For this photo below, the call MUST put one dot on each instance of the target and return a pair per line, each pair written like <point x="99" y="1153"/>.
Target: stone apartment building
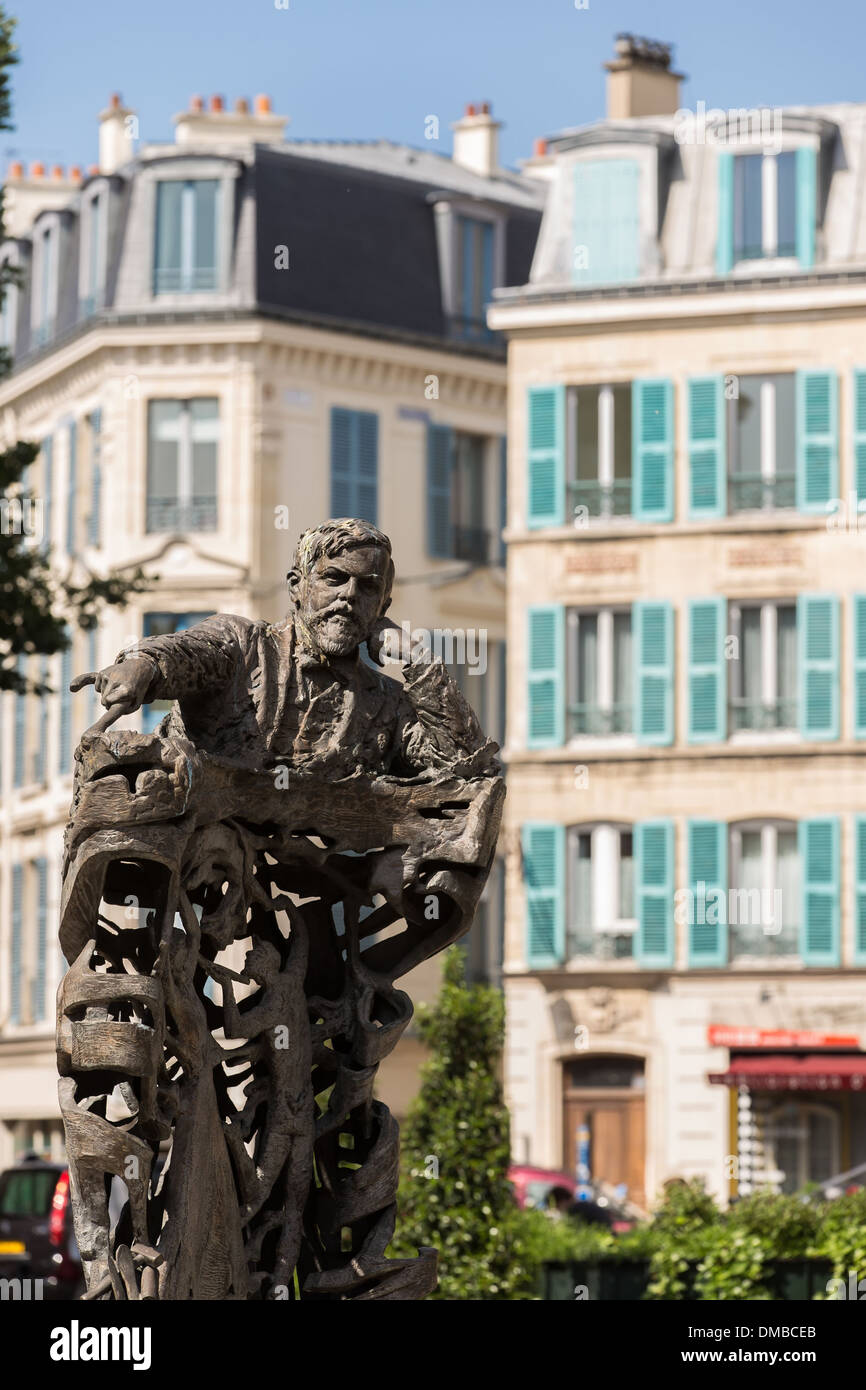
<point x="685" y="953"/>
<point x="219" y="341"/>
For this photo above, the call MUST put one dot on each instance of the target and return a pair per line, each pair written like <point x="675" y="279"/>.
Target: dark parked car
<point x="36" y="1236"/>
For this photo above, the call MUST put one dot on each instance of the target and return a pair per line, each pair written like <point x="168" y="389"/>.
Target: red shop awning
<point x="813" y="1072"/>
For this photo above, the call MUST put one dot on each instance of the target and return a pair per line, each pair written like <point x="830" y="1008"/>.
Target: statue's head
<point x="340" y="584"/>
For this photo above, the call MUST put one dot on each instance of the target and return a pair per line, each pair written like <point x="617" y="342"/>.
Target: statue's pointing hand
<point x="126" y="683"/>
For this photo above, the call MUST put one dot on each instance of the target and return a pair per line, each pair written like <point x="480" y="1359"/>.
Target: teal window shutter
<point x="72" y="491"/>
<point x="47" y="488"/>
<point x="818" y="651"/>
<point x="707" y="684"/>
<point x="818" y="846"/>
<point x="652" y="417"/>
<point x="92" y="665"/>
<point x="606" y="224"/>
<point x="354" y="463"/>
<point x="42" y="741"/>
<point x="807" y="205"/>
<point x="94" y="521"/>
<point x="725" y="228"/>
<point x="16" y="953"/>
<point x="653" y="645"/>
<point x="503" y="494"/>
<point x="543" y="847"/>
<point x="19" y="752"/>
<point x="860" y="890"/>
<point x="817" y="416"/>
<point x="707" y="447"/>
<point x="546" y="456"/>
<point x="546" y="686"/>
<point x="38" y="997"/>
<point x="859" y="384"/>
<point x="64" y="754"/>
<point x="708" y="884"/>
<point x="440" y="473"/>
<point x="859" y="648"/>
<point x="654" y="892"/>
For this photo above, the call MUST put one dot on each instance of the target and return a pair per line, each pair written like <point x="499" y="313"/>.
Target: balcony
<point x="592" y="720"/>
<point x="601" y="499"/>
<point x="760" y="716"/>
<point x="751" y="943"/>
<point x="175" y="280"/>
<point x="174" y="514"/>
<point x="582" y="943"/>
<point x="751" y="492"/>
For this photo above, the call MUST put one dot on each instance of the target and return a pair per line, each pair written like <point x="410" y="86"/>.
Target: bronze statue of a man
<point x="241" y="890"/>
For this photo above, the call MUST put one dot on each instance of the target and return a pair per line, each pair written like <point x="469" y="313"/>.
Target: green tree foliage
<point x="36" y="603"/>
<point x="454" y="1193"/>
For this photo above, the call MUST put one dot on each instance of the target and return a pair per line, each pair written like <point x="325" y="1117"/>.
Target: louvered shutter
<point x="818" y="844"/>
<point x="652" y="625"/>
<point x="653" y="449"/>
<point x="64" y="754"/>
<point x="654" y="893"/>
<point x="818" y="651"/>
<point x="708" y="885"/>
<point x="807" y="204"/>
<point x="545" y="668"/>
<point x="72" y="491"/>
<point x="707" y="685"/>
<point x="860" y="890"/>
<point x="707" y="447"/>
<point x="440" y="477"/>
<point x="16" y="952"/>
<point x="859" y="385"/>
<point x="543" y="846"/>
<point x="859" y="650"/>
<point x="546" y="456"/>
<point x="725" y="213"/>
<point x="38" y="997"/>
<point x="817" y="440"/>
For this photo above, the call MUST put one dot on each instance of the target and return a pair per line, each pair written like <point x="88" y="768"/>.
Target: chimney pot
<point x="470" y="109"/>
<point x="93" y="169"/>
<point x="540" y="147"/>
<point x="485" y="108"/>
<point x="114" y="101"/>
<point x="263" y="105"/>
<point x="16" y="170"/>
<point x="216" y="104"/>
<point x="75" y="173"/>
<point x="196" y="104"/>
<point x="37" y="169"/>
<point x="242" y="106"/>
<point x="57" y="171"/>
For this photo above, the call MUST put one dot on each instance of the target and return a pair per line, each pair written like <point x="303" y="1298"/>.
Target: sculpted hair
<point x="335" y="537"/>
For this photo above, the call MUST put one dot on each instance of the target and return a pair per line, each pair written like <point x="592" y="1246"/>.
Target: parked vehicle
<point x="37" y="1240"/>
<point x="545" y="1188"/>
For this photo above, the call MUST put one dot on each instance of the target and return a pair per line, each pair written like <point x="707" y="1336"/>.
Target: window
<point x="600" y="892"/>
<point x="29" y="945"/>
<point x="354" y="464"/>
<point x="186" y="255"/>
<point x="764" y="677"/>
<point x="763" y="446"/>
<point x="9" y="316"/>
<point x="802" y="1141"/>
<point x="163" y="625"/>
<point x="765" y="205"/>
<point x="606" y="223"/>
<point x="182" y="440"/>
<point x="458" y="491"/>
<point x="93" y="253"/>
<point x="599" y="450"/>
<point x="475" y="243"/>
<point x="764" y="902"/>
<point x="45" y="285"/>
<point x="600" y="699"/>
<point x="483" y="964"/>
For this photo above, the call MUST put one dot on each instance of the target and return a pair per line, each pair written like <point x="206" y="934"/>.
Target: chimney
<point x="116" y="124"/>
<point x="29" y="192"/>
<point x="218" y="128"/>
<point x="640" y="81"/>
<point x="476" y="140"/>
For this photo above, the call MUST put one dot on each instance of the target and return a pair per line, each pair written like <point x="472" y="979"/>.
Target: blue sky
<point x="360" y="69"/>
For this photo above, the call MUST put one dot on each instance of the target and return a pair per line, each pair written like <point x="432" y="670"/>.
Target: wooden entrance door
<point x="616" y="1121"/>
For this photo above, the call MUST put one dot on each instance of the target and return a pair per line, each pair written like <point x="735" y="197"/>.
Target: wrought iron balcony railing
<point x="590" y="719"/>
<point x="173" y="514"/>
<point x="601" y="499"/>
<point x="759" y="716"/>
<point x="751" y="492"/>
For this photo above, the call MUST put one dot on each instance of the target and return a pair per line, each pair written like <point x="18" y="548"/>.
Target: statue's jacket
<point x="256" y="694"/>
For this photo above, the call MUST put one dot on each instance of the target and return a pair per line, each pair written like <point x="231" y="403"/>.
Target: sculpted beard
<point x="337" y="630"/>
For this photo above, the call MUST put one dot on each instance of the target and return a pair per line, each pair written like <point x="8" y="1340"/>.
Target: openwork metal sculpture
<point x="241" y="889"/>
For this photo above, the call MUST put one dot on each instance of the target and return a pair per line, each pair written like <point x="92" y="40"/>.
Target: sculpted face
<point x="340" y="599"/>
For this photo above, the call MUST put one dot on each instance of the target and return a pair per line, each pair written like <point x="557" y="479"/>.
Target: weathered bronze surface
<point x="241" y="889"/>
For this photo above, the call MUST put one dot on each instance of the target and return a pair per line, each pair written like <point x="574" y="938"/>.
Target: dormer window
<point x="9" y="308"/>
<point x="606" y="224"/>
<point x="765" y="205"/>
<point x="45" y="273"/>
<point x="94" y="243"/>
<point x="186" y="257"/>
<point x="471" y="245"/>
<point x="474" y="274"/>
